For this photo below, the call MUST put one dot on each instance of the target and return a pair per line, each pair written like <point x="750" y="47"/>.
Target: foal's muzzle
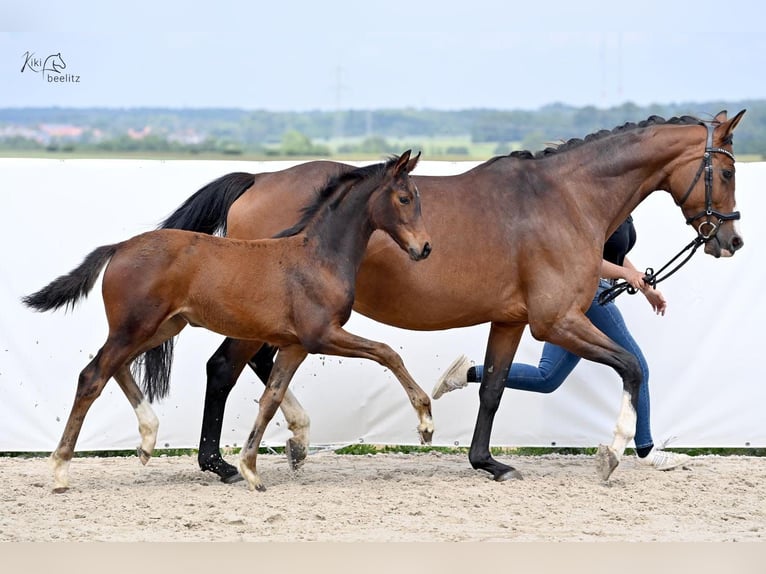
<point x="418" y="255"/>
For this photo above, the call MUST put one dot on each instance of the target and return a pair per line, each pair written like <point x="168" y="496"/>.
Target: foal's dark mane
<point x="601" y="134"/>
<point x="333" y="192"/>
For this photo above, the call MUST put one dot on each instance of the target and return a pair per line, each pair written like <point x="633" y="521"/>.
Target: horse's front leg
<point x="578" y="335"/>
<point x="287" y="362"/>
<point x="501" y="348"/>
<point x="337" y="341"/>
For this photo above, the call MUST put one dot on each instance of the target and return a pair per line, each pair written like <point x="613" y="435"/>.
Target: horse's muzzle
<point x="719" y="246"/>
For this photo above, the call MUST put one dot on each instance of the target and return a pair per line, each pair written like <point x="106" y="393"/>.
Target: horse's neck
<point x="620" y="174"/>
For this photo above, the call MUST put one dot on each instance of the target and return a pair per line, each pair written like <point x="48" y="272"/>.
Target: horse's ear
<point x="401" y="163"/>
<point x="720" y="117"/>
<point x="412" y="163"/>
<point x="732" y="123"/>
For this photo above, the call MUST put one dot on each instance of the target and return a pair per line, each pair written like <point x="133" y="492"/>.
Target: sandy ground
<point x="386" y="497"/>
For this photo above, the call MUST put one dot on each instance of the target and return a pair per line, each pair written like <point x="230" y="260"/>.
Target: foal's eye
<point x="727" y="173"/>
<point x="404" y="200"/>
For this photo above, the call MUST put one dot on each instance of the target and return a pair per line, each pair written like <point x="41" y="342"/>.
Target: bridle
<point x="706" y="230"/>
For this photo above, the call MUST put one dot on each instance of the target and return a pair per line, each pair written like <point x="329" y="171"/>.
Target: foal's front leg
<point x="337" y="341"/>
<point x="287" y="362"/>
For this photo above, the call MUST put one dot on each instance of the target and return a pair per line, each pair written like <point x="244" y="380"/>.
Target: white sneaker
<point x="455" y="377"/>
<point x="663" y="460"/>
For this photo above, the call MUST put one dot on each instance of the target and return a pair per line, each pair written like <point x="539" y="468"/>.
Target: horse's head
<point x="708" y="202"/>
<point x="396" y="209"/>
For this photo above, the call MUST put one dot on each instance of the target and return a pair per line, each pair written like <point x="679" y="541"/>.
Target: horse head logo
<point x="54" y="63"/>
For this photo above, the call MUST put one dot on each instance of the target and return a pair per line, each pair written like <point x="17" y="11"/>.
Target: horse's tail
<point x="68" y="289"/>
<point x="206" y="210"/>
<point x="152" y="369"/>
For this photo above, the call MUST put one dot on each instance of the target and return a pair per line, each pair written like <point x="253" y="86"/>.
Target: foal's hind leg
<point x="148" y="423"/>
<point x="288" y="361"/>
<point x="91" y="382"/>
<point x="337" y="341"/>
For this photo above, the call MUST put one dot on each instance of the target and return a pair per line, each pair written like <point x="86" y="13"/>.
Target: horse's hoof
<point x="60" y="489"/>
<point x="228" y="473"/>
<point x="606" y="461"/>
<point x="296" y="454"/>
<point x="143" y="455"/>
<point x="511" y="474"/>
<point x="260" y="488"/>
<point x="426" y="437"/>
<point x="232" y="478"/>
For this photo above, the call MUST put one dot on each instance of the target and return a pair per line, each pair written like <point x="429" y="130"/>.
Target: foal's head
<point x="395" y="207"/>
<point x="704" y="186"/>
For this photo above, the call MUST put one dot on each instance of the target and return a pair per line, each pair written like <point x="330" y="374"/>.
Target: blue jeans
<point x="556" y="364"/>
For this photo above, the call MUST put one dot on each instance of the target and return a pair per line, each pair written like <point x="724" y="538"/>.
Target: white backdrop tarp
<point x="706" y="384"/>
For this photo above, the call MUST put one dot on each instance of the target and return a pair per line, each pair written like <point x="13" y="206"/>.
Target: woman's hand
<point x="655" y="298"/>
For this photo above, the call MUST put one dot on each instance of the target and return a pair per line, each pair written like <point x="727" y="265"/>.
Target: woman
<point x="556" y="363"/>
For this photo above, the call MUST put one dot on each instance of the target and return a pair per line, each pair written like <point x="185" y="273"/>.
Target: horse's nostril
<point x="737" y="242"/>
<point x="426" y="250"/>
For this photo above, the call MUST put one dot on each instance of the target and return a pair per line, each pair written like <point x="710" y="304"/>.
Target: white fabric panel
<point x="705" y="390"/>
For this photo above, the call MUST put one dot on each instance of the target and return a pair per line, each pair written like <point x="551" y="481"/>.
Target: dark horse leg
<point x="501" y="348"/>
<point x="578" y="335"/>
<point x="223" y="370"/>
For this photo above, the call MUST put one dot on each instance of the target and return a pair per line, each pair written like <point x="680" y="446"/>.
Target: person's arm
<point x="634" y="277"/>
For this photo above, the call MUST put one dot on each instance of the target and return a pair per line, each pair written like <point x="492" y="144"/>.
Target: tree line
<point x="302" y="133"/>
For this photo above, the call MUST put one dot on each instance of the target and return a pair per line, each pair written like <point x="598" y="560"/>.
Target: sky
<point x="339" y="54"/>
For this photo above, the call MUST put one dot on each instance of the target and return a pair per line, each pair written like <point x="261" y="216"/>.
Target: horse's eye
<point x="727" y="173"/>
<point x="404" y="200"/>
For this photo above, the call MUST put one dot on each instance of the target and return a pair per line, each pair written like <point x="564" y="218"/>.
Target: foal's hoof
<point x="606" y="461"/>
<point x="511" y="474"/>
<point x="296" y="454"/>
<point x="143" y="455"/>
<point x="60" y="489"/>
<point x="426" y="437"/>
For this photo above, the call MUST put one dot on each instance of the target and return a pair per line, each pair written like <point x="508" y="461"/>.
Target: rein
<point x="710" y="228"/>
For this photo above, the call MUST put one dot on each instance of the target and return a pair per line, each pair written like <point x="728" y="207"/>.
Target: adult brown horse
<point x="527" y="230"/>
<point x="294" y="292"/>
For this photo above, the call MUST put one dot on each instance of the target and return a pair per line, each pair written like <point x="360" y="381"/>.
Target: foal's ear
<point x="412" y="163"/>
<point x="401" y="163"/>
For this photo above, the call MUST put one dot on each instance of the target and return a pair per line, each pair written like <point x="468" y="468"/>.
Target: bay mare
<point x="528" y="230"/>
<point x="294" y="292"/>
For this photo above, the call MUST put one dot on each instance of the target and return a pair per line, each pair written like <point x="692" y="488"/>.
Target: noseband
<point x="707" y="229"/>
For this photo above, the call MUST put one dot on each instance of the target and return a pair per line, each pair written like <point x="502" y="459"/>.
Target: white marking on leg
<point x="148" y="423"/>
<point x="297" y="419"/>
<point x="252" y="478"/>
<point x="625" y="429"/>
<point x="60" y="472"/>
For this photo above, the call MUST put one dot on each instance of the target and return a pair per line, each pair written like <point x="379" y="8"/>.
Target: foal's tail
<point x="153" y="367"/>
<point x="206" y="210"/>
<point x="68" y="289"/>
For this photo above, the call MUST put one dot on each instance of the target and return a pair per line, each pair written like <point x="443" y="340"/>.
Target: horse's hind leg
<point x="91" y="382"/>
<point x="288" y="360"/>
<point x="337" y="341"/>
<point x="223" y="370"/>
<point x="148" y="423"/>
